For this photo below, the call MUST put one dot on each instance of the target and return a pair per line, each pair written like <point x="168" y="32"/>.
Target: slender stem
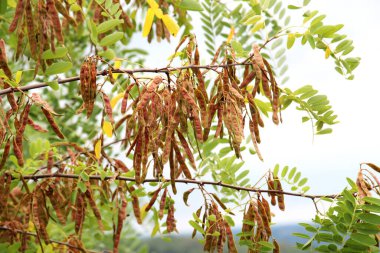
<point x="119" y="71"/>
<point x="184" y="181"/>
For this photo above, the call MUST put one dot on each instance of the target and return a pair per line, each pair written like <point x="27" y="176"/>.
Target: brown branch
<point x="119" y="71"/>
<point x="50" y="240"/>
<point x="184" y="181"/>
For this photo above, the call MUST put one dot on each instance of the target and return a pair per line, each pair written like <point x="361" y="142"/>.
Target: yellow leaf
<point x="116" y="65"/>
<point x="152" y="4"/>
<point x="98" y="149"/>
<point x="18" y="76"/>
<point x="171" y="24"/>
<point x="12" y="3"/>
<point x="148" y="22"/>
<point x="327" y="52"/>
<point x="107" y="128"/>
<point x="231" y="35"/>
<point x="158" y="12"/>
<point x="142" y="211"/>
<point x="116" y="99"/>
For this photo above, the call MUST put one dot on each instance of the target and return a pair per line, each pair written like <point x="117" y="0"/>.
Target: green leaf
<point x="82" y="186"/>
<point x="297" y="177"/>
<point x="290" y="41"/>
<point x="276" y="169"/>
<point x="372" y="200"/>
<point x="111" y="39"/>
<point x="190" y="5"/>
<point x="325" y="131"/>
<point x="58" y="67"/>
<point x="284" y="171"/>
<point x="266" y="244"/>
<point x="292" y="172"/>
<point x="370" y="218"/>
<point x="3" y="6"/>
<point x="302" y="182"/>
<point x="108" y="25"/>
<point x="305" y="236"/>
<point x="362" y="239"/>
<point x="293" y="7"/>
<point x="108" y="54"/>
<point x="54" y="85"/>
<point x="259" y="25"/>
<point x="197" y="227"/>
<point x="59" y="53"/>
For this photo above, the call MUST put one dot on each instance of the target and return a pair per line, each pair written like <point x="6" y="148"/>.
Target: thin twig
<point x="184" y="181"/>
<point x="119" y="71"/>
<point x="50" y="240"/>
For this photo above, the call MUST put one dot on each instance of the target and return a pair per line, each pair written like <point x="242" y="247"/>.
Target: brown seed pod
<point x="136" y="208"/>
<point x="30" y="28"/>
<point x="17" y="16"/>
<point x="52" y="123"/>
<point x="65" y="13"/>
<point x="3" y="60"/>
<point x="107" y="107"/>
<point x="36" y="127"/>
<point x="247" y="79"/>
<point x="170" y="220"/>
<point x="153" y="199"/>
<point x="80" y="208"/>
<point x="280" y="196"/>
<point x="230" y="238"/>
<point x="18" y="153"/>
<point x="162" y="204"/>
<point x="50" y="161"/>
<point x="187" y="149"/>
<point x="183" y="166"/>
<point x="6" y="150"/>
<point x="93" y="206"/>
<point x="122" y="214"/>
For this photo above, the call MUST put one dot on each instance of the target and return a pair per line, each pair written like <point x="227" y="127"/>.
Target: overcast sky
<point x="331" y="158"/>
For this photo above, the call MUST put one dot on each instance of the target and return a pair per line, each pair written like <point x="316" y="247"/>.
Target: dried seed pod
<point x="187" y="149"/>
<point x="280" y="196"/>
<point x="162" y="204"/>
<point x="30" y="28"/>
<point x="36" y="127"/>
<point x="6" y="150"/>
<point x="145" y="98"/>
<point x="50" y="161"/>
<point x="52" y="123"/>
<point x="136" y="208"/>
<point x="107" y="107"/>
<point x="153" y="199"/>
<point x="230" y="238"/>
<point x="3" y="61"/>
<point x="80" y="207"/>
<point x="93" y="206"/>
<point x="183" y="166"/>
<point x="55" y="22"/>
<point x="170" y="220"/>
<point x="17" y="16"/>
<point x="18" y="153"/>
<point x="65" y="13"/>
<point x="122" y="214"/>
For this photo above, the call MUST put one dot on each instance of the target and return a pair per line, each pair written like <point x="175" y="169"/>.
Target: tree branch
<point x="119" y="71"/>
<point x="184" y="181"/>
<point x="50" y="240"/>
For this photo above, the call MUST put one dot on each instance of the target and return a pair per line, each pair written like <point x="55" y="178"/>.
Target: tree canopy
<point x="90" y="139"/>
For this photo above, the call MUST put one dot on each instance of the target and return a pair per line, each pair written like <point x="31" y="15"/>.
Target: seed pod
<point x="36" y="127"/>
<point x="145" y="98"/>
<point x="18" y="153"/>
<point x="52" y="123"/>
<point x="125" y="98"/>
<point x="17" y="16"/>
<point x="162" y="204"/>
<point x="230" y="238"/>
<point x="50" y="161"/>
<point x="257" y="56"/>
<point x="107" y="107"/>
<point x="120" y="165"/>
<point x="122" y="214"/>
<point x="136" y="209"/>
<point x="3" y="61"/>
<point x="173" y="169"/>
<point x="55" y="22"/>
<point x="276" y="246"/>
<point x="64" y="12"/>
<point x="153" y="199"/>
<point x="137" y="158"/>
<point x="247" y="80"/>
<point x="181" y="161"/>
<point x="40" y="216"/>
<point x="187" y="149"/>
<point x="80" y="207"/>
<point x="93" y="206"/>
<point x="170" y="220"/>
<point x="280" y="196"/>
<point x="30" y="28"/>
<point x="6" y="150"/>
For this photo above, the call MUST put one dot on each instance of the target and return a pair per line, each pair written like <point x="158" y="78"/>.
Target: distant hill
<point x="184" y="243"/>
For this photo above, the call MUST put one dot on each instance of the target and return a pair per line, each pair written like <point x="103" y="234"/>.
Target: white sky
<point x="331" y="158"/>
